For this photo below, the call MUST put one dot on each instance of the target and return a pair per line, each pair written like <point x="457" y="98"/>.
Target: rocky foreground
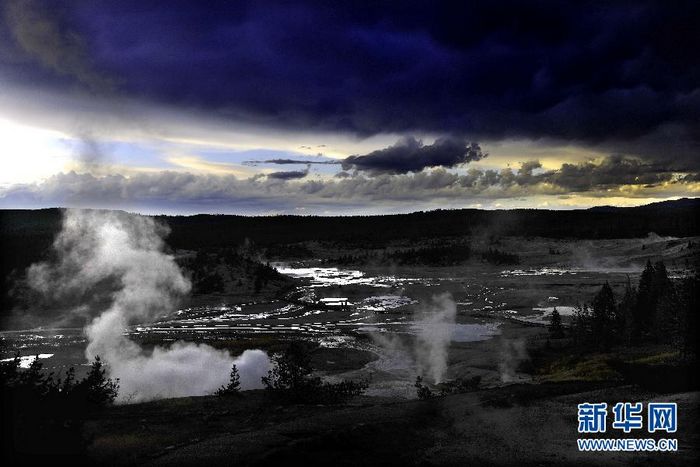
<point x="518" y="424"/>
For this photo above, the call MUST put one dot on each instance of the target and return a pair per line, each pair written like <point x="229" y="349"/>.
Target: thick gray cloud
<point x="289" y="175"/>
<point x="174" y="191"/>
<point x="613" y="171"/>
<point x="290" y="162"/>
<point x="411" y="155"/>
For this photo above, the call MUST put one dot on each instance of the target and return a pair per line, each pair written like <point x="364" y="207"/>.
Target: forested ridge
<point x="26" y="235"/>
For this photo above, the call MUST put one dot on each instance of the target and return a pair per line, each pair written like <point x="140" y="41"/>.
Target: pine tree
<point x="96" y="387"/>
<point x="604" y="316"/>
<point x="690" y="325"/>
<point x="234" y="383"/>
<point x="627" y="322"/>
<point x="581" y="324"/>
<point x="646" y="302"/>
<point x="665" y="308"/>
<point x="556" y="330"/>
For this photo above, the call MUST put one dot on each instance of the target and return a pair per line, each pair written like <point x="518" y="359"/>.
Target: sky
<point x="340" y="108"/>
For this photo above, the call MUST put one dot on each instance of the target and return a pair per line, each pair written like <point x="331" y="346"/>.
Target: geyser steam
<point x="434" y="335"/>
<point x="434" y="327"/>
<point x="123" y="253"/>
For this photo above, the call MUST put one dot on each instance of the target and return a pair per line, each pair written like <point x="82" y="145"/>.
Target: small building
<point x="340" y="302"/>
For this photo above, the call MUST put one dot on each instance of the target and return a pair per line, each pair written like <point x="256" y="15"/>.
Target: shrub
<point x="422" y="390"/>
<point x="290" y="378"/>
<point x="290" y="370"/>
<point x="460" y="385"/>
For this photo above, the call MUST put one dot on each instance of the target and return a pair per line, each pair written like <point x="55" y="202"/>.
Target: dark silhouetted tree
<point x="96" y="388"/>
<point x="664" y="315"/>
<point x="556" y="330"/>
<point x="43" y="416"/>
<point x="646" y="303"/>
<point x="581" y="324"/>
<point x="290" y="369"/>
<point x="603" y="317"/>
<point x="689" y="304"/>
<point x="628" y="325"/>
<point x="290" y="377"/>
<point x="234" y="384"/>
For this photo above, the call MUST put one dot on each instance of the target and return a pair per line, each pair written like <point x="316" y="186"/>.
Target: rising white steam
<point x="435" y="329"/>
<point x="124" y="254"/>
<point x="513" y="353"/>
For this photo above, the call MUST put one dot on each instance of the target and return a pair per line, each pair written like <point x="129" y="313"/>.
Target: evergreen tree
<point x="646" y="303"/>
<point x="661" y="283"/>
<point x="581" y="324"/>
<point x="668" y="317"/>
<point x="556" y="330"/>
<point x="627" y="322"/>
<point x="604" y="317"/>
<point x="664" y="312"/>
<point x="96" y="388"/>
<point x="234" y="383"/>
<point x="290" y="369"/>
<point x="689" y="304"/>
<point x="654" y="287"/>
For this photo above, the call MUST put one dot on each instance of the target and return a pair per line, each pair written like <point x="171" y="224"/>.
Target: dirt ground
<point x="521" y="424"/>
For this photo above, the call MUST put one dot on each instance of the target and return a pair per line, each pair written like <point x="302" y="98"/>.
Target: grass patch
<point x="129" y="441"/>
<point x="596" y="367"/>
<point x="663" y="358"/>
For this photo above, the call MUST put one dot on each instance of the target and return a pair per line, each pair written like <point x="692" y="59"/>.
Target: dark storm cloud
<point x="621" y="72"/>
<point x="693" y="177"/>
<point x="290" y="162"/>
<point x="612" y="172"/>
<point x="288" y="175"/>
<point x="411" y="155"/>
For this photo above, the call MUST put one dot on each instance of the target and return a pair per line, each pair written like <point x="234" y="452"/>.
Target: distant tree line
<point x="26" y="235"/>
<point x="350" y="259"/>
<point x="499" y="257"/>
<point x="677" y="218"/>
<point x="222" y="270"/>
<point x="657" y="310"/>
<point x="442" y="255"/>
<point x="288" y="250"/>
<point x="435" y="255"/>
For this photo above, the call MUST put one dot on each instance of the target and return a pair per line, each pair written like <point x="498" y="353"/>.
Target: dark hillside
<point x="25" y="235"/>
<point x="675" y="218"/>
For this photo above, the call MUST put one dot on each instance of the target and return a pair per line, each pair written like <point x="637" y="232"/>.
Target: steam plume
<point x="434" y="335"/>
<point x="123" y="253"/>
<point x="434" y="328"/>
<point x="513" y="353"/>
